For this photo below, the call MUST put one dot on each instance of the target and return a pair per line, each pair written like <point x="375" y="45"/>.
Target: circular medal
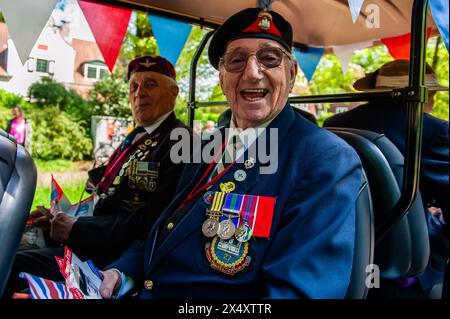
<point x="151" y="186"/>
<point x="243" y="233"/>
<point x="240" y="175"/>
<point x="148" y="142"/>
<point x="210" y="227"/>
<point x="226" y="229"/>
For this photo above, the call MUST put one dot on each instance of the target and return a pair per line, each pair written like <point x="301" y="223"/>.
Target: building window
<point x="95" y="70"/>
<point x="42" y="65"/>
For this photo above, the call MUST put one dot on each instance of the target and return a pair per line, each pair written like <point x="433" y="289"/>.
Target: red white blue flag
<point x="58" y="201"/>
<point x="41" y="288"/>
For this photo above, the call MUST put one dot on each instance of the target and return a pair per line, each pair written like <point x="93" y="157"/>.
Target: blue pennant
<point x="308" y="59"/>
<point x="171" y="36"/>
<point x="439" y="11"/>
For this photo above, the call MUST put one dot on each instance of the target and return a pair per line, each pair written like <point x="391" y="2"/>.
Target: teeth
<point x="261" y="91"/>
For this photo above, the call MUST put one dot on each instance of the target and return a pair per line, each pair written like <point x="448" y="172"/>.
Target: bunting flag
<point x="108" y="25"/>
<point x="344" y="52"/>
<point x="26" y="19"/>
<point x="308" y="59"/>
<point x="355" y="8"/>
<point x="170" y="35"/>
<point x="440" y="11"/>
<point x="41" y="288"/>
<point x="399" y="47"/>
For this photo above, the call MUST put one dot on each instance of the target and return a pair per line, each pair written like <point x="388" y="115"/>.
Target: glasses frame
<point x="261" y="65"/>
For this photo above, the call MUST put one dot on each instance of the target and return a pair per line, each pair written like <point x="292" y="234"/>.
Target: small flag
<point x="46" y="289"/>
<point x="58" y="200"/>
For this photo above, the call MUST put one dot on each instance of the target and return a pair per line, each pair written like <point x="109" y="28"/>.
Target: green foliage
<point x="139" y="39"/>
<point x="110" y="96"/>
<point x="47" y="93"/>
<point x="441" y="61"/>
<point x="56" y="135"/>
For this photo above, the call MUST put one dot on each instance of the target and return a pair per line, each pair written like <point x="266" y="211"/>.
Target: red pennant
<point x="400" y="46"/>
<point x="108" y="25"/>
<point x="264" y="215"/>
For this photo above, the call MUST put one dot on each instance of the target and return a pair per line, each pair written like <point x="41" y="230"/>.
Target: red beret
<point x="250" y="23"/>
<point x="152" y="63"/>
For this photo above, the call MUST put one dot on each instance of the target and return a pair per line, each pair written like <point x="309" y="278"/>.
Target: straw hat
<point x="395" y="75"/>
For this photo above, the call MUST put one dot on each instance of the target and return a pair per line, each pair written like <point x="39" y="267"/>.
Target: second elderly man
<point x="136" y="186"/>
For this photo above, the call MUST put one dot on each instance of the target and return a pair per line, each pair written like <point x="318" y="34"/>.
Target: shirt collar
<point x="155" y="125"/>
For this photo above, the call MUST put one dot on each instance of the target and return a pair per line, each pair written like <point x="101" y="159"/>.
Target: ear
<point x="175" y="90"/>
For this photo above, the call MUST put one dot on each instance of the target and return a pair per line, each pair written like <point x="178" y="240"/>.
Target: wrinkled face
<point x="257" y="93"/>
<point x="151" y="95"/>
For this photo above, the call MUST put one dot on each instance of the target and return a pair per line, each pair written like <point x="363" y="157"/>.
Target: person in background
<point x="390" y="120"/>
<point x="20" y="128"/>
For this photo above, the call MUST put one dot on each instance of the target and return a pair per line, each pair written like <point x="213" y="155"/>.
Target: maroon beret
<point x="152" y="63"/>
<point x="250" y="23"/>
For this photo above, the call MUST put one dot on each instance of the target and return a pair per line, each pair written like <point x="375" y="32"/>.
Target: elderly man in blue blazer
<point x="246" y="225"/>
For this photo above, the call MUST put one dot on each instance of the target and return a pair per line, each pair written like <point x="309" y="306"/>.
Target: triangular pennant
<point x="399" y="47"/>
<point x="26" y="19"/>
<point x="440" y="11"/>
<point x="344" y="52"/>
<point x="108" y="25"/>
<point x="171" y="36"/>
<point x="355" y="8"/>
<point x="308" y="59"/>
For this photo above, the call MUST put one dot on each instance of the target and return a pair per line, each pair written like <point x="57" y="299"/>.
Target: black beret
<point x="152" y="63"/>
<point x="250" y="23"/>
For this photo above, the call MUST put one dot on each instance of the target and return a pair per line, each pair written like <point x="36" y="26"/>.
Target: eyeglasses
<point x="269" y="57"/>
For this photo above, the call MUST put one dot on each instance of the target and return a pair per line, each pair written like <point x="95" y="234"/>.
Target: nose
<point x="252" y="71"/>
<point x="139" y="91"/>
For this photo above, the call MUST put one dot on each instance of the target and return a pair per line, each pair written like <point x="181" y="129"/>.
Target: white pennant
<point x="355" y="8"/>
<point x="344" y="52"/>
<point x="25" y="20"/>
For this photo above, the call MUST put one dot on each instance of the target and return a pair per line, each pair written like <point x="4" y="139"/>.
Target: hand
<point x="61" y="227"/>
<point x="39" y="219"/>
<point x="110" y="284"/>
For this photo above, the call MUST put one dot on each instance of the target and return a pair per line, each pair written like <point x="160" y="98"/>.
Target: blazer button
<point x="170" y="226"/>
<point x="148" y="284"/>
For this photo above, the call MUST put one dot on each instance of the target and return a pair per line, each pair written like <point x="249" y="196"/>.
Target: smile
<point x="254" y="94"/>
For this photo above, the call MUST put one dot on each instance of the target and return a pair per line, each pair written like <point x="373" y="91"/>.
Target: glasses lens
<point x="270" y="57"/>
<point x="235" y="61"/>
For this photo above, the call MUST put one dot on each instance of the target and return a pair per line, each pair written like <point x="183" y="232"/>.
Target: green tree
<point x="110" y="96"/>
<point x="139" y="38"/>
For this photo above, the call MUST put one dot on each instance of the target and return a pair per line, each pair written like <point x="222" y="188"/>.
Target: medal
<point x="148" y="142"/>
<point x="226" y="229"/>
<point x="240" y="175"/>
<point x="243" y="233"/>
<point x="210" y="227"/>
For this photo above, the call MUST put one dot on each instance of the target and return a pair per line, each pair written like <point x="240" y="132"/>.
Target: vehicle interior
<point x="391" y="227"/>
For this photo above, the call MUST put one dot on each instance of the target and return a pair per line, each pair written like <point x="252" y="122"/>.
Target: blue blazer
<point x="309" y="252"/>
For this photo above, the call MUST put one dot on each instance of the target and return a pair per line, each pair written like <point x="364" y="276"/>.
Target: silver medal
<point x="226" y="229"/>
<point x="210" y="227"/>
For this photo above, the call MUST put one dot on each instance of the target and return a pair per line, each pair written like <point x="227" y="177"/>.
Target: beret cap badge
<point x="147" y="63"/>
<point x="264" y="20"/>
